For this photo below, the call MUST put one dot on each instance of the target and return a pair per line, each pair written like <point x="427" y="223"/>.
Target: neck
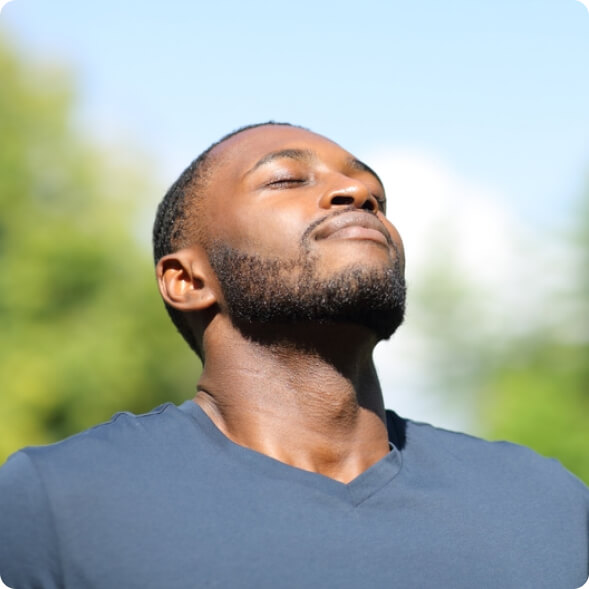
<point x="309" y="397"/>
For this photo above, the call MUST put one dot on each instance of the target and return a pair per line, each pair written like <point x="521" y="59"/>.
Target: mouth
<point x="354" y="226"/>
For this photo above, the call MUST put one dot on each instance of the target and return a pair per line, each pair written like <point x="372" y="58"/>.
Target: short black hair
<point x="171" y="229"/>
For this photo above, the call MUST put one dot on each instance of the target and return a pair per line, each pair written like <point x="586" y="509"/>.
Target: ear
<point x="186" y="280"/>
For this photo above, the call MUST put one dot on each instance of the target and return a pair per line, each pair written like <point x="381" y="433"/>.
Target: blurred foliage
<point x="83" y="332"/>
<point x="539" y="396"/>
<point x="526" y="385"/>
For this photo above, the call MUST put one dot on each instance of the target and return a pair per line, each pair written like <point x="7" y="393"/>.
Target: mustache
<point x="311" y="228"/>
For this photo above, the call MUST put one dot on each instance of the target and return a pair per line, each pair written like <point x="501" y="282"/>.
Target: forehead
<point x="238" y="154"/>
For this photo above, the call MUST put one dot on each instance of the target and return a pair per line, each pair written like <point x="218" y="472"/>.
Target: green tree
<point x="539" y="396"/>
<point x="529" y="383"/>
<point x="83" y="333"/>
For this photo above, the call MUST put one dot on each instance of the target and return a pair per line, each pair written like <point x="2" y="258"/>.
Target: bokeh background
<point x="476" y="115"/>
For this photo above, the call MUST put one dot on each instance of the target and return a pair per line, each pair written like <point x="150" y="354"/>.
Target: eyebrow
<point x="306" y="155"/>
<point x="300" y="155"/>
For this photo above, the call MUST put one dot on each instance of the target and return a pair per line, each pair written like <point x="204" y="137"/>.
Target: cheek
<point x="270" y="232"/>
<point x="396" y="239"/>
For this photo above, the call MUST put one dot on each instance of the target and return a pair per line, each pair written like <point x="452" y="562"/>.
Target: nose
<point x="348" y="192"/>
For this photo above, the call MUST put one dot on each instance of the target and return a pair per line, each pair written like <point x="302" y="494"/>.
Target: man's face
<point x="297" y="232"/>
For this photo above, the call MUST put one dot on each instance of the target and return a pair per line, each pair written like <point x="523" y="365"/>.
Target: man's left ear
<point x="186" y="280"/>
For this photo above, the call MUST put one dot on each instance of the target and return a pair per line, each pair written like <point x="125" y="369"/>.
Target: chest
<point x="250" y="536"/>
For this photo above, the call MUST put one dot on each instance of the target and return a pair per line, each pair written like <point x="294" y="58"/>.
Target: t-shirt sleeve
<point x="28" y="542"/>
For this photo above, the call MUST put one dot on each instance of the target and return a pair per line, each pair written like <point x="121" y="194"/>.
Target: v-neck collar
<point x="355" y="492"/>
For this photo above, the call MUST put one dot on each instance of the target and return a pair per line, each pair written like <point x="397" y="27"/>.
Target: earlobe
<point x="185" y="280"/>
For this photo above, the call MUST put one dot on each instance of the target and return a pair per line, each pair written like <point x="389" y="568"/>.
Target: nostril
<point x="342" y="200"/>
<point x="369" y="205"/>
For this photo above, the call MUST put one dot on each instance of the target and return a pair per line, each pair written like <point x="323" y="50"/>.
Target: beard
<point x="260" y="290"/>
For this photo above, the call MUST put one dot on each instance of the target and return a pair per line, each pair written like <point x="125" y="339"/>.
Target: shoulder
<point x="28" y="546"/>
<point x="121" y="436"/>
<point x="45" y="490"/>
<point x="110" y="450"/>
<point x="528" y="511"/>
<point x="495" y="464"/>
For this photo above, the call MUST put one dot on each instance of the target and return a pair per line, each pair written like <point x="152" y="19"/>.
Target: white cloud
<point x="433" y="206"/>
<point x="3" y="3"/>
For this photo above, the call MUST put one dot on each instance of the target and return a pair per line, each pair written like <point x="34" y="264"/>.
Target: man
<point x="277" y="264"/>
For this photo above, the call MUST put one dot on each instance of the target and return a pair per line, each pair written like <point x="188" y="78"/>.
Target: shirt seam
<point x="379" y="489"/>
<point x="52" y="518"/>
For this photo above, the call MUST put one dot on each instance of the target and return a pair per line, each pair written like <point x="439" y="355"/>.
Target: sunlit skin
<point x="316" y="406"/>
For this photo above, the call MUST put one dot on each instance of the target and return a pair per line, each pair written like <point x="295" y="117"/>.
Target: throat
<point x="309" y="399"/>
<point x="319" y="428"/>
<point x="341" y="449"/>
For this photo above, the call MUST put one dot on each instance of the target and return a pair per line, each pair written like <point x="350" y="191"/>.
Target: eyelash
<point x="288" y="180"/>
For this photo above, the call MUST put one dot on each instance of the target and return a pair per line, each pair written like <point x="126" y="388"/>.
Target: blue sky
<point x="496" y="89"/>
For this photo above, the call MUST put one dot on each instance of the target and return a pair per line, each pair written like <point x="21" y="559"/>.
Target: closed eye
<point x="285" y="182"/>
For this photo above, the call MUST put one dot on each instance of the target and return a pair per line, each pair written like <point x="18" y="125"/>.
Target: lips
<point x="357" y="225"/>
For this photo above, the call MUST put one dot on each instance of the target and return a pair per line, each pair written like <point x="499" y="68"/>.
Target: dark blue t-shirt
<point x="165" y="500"/>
